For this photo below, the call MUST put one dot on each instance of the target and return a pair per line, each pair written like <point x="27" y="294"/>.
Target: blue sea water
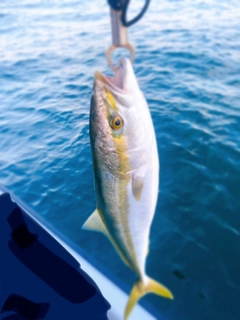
<point x="188" y="66"/>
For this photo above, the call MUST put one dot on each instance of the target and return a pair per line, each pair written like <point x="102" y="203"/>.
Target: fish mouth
<point x="115" y="83"/>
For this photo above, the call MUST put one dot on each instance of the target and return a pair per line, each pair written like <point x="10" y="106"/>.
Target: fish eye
<point x="116" y="123"/>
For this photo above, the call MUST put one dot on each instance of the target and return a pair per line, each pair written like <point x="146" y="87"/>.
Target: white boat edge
<point x="114" y="295"/>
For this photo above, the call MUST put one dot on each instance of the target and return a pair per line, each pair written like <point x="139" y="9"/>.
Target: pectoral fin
<point x="137" y="186"/>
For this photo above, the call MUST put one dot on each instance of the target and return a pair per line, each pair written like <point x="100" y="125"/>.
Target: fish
<point x="126" y="173"/>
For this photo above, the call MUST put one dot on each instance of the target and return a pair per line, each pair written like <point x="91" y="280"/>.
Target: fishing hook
<point x="119" y="24"/>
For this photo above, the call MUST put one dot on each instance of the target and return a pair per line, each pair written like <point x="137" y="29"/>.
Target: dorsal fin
<point x="95" y="223"/>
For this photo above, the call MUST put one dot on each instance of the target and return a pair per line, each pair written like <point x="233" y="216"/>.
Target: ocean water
<point x="188" y="66"/>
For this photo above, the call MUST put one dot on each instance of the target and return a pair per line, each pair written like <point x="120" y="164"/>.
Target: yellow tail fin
<point x="140" y="289"/>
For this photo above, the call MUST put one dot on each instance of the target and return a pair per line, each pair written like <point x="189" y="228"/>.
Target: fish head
<point x="119" y="118"/>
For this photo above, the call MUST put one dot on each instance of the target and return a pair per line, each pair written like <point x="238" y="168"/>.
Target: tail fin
<point x="140" y="289"/>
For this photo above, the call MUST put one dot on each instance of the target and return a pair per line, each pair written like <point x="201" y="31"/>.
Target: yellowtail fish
<point x="126" y="170"/>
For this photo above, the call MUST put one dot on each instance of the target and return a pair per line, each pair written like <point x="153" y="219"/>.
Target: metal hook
<point x="119" y="37"/>
<point x="113" y="47"/>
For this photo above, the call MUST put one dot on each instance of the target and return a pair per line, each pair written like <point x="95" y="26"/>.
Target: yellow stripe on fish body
<point x="124" y="179"/>
<point x="111" y="100"/>
<point x="119" y="140"/>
